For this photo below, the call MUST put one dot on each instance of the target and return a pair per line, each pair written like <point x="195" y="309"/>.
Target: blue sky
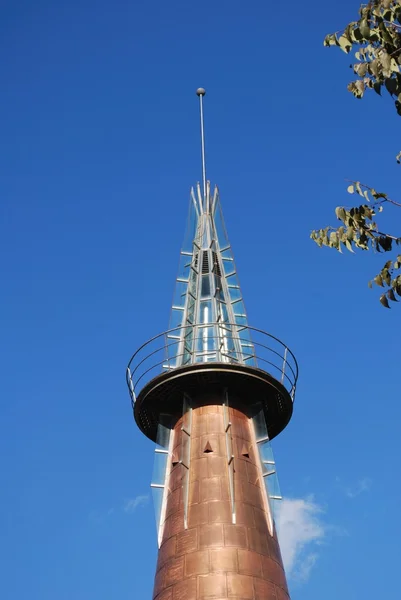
<point x="99" y="147"/>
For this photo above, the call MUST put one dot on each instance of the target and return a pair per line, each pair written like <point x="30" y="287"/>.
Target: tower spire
<point x="200" y="92"/>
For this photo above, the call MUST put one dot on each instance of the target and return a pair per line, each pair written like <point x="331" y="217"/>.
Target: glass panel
<point x="159" y="468"/>
<point x="180" y="294"/>
<point x="273" y="486"/>
<point x="218" y="287"/>
<point x="205" y="292"/>
<point x="239" y="308"/>
<point x="275" y="507"/>
<point x="157" y="494"/>
<point x="226" y="253"/>
<point x="205" y="315"/>
<point x="266" y="452"/>
<point x="184" y="265"/>
<point x="176" y="320"/>
<point x="190" y="308"/>
<point x="163" y="436"/>
<point x="223" y="312"/>
<point x="228" y="267"/>
<point x="219" y="225"/>
<point x="191" y="228"/>
<point x="259" y="423"/>
<point x="206" y="339"/>
<point x="235" y="293"/>
<point x="233" y="280"/>
<point x="192" y="282"/>
<point x="240" y="320"/>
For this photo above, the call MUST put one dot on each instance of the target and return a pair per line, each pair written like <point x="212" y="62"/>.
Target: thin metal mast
<point x="201" y="92"/>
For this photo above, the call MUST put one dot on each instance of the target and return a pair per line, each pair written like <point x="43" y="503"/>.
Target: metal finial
<point x="201" y="92"/>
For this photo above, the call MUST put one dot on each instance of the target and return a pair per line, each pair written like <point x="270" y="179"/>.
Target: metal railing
<point x="249" y="346"/>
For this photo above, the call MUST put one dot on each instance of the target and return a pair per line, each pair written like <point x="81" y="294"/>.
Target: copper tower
<point x="212" y="392"/>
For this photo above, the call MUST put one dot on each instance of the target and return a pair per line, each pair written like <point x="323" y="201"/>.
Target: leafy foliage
<point x="377" y="37"/>
<point x="377" y="34"/>
<point x="359" y="230"/>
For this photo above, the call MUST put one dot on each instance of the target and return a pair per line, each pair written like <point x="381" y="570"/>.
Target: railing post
<point x="284" y="363"/>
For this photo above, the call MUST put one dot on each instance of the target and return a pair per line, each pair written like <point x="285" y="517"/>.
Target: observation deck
<point x="252" y="367"/>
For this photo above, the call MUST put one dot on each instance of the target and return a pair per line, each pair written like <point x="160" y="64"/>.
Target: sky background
<point x="99" y="146"/>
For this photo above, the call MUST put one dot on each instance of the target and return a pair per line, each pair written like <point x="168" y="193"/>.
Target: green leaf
<point x="386" y="243"/>
<point x="364" y="29"/>
<point x="351" y="189"/>
<point x="391" y="296"/>
<point x="378" y="280"/>
<point x="384" y="301"/>
<point x="340" y="213"/>
<point x="344" y="44"/>
<point x="349" y="246"/>
<point x="370" y="284"/>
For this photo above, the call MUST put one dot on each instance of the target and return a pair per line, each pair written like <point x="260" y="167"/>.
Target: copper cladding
<point x="214" y="558"/>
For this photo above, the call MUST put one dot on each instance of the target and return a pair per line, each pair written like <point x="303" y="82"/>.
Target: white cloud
<point x="363" y="485"/>
<point x="131" y="505"/>
<point x="300" y="530"/>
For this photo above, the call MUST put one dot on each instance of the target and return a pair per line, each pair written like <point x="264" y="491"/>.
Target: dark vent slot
<point x="196" y="260"/>
<point x="205" y="262"/>
<point x="216" y="265"/>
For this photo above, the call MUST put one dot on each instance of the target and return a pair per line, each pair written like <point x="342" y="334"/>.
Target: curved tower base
<point x="217" y="534"/>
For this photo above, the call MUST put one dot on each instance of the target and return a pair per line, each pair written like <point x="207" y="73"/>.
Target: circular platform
<point x="158" y="397"/>
<point x="161" y="400"/>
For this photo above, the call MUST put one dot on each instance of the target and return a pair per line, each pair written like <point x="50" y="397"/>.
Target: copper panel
<point x="166" y="529"/>
<point x="166" y="595"/>
<point x="217" y="466"/>
<point x="209" y="409"/>
<point x="239" y="494"/>
<point x="214" y="558"/>
<point x="197" y="563"/>
<point x="261" y="523"/>
<point x="210" y="489"/>
<point x="240" y="586"/>
<point x="220" y="512"/>
<point x="281" y="594"/>
<point x="175" y="480"/>
<point x="173" y="501"/>
<point x="176" y="522"/>
<point x="240" y="468"/>
<point x="225" y="492"/>
<point x="244" y="513"/>
<point x="198" y="468"/>
<point x="264" y="590"/>
<point x="160" y="579"/>
<point x="187" y="541"/>
<point x="251" y="494"/>
<point x="273" y="572"/>
<point x="253" y="474"/>
<point x="235" y="535"/>
<point x="211" y="535"/>
<point x="185" y="590"/>
<point x="215" y="423"/>
<point x="194" y="492"/>
<point x="275" y="549"/>
<point x="198" y="514"/>
<point x="167" y="551"/>
<point x="249" y="563"/>
<point x="224" y="559"/>
<point x="258" y="541"/>
<point x="217" y="441"/>
<point x="174" y="571"/>
<point x="212" y="586"/>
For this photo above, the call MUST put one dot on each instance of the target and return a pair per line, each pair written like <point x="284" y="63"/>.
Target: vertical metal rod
<point x="284" y="365"/>
<point x="201" y="92"/>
